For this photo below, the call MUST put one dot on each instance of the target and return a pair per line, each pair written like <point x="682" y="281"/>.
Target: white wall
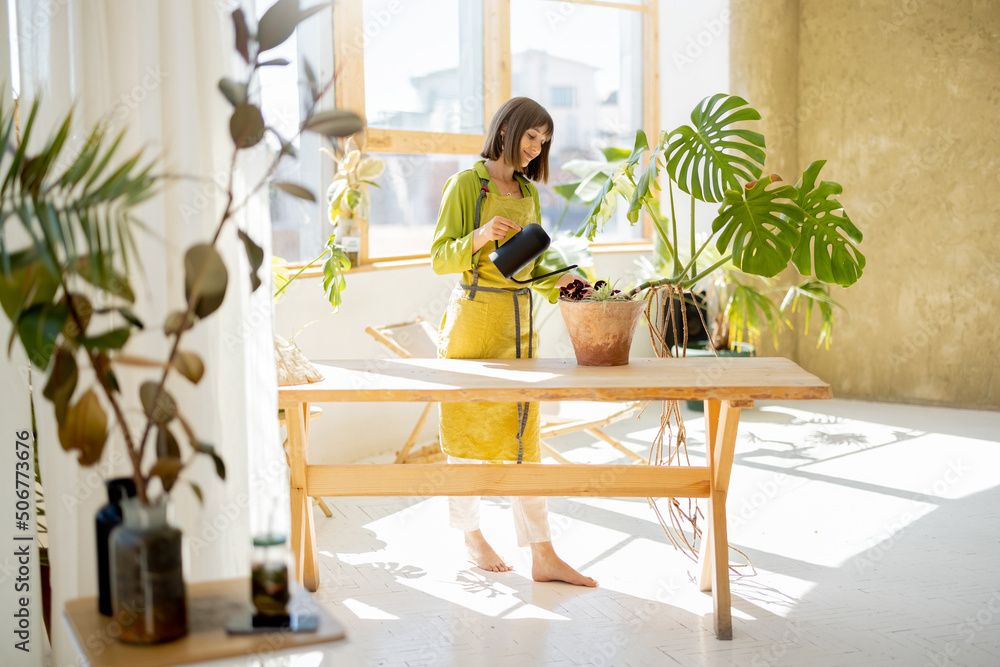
<point x="694" y="64"/>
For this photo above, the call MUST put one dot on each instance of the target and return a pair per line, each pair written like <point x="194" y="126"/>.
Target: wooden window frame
<point x="348" y="54"/>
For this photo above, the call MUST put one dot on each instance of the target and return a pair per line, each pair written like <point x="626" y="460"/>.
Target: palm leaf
<point x="760" y="227"/>
<point x="810" y="293"/>
<point x="828" y="236"/>
<point x="710" y="157"/>
<point x="749" y="311"/>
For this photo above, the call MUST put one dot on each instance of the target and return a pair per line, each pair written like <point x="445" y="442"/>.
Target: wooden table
<point x="725" y="384"/>
<point x="210" y="604"/>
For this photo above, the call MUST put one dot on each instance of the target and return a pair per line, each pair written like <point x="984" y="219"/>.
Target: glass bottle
<point x="108" y="517"/>
<point x="147" y="575"/>
<point x="271" y="570"/>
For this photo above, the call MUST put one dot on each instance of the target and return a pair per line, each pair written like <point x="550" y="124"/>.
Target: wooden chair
<point x="418" y="339"/>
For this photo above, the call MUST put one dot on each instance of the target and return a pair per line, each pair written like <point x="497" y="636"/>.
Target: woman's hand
<point x="494" y="230"/>
<point x="566" y="278"/>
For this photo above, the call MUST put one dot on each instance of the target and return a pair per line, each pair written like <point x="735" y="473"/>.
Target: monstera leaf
<point x="761" y="226"/>
<point x="711" y="157"/>
<point x="827" y="243"/>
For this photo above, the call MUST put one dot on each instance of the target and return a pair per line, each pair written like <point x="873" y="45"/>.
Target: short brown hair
<point x="518" y="115"/>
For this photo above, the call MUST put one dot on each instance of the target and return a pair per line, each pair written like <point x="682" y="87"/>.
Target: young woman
<point x="489" y="317"/>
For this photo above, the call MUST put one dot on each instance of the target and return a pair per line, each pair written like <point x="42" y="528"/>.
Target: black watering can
<point x="521" y="250"/>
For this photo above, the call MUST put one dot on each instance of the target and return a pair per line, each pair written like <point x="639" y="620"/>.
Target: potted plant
<point x="762" y="225"/>
<point x="600" y="320"/>
<point x="66" y="252"/>
<point x="348" y="195"/>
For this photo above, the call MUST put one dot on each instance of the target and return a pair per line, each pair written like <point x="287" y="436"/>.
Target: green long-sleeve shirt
<point x="451" y="249"/>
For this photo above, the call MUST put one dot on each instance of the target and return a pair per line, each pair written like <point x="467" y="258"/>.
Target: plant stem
<point x="673" y="221"/>
<point x="693" y="254"/>
<point x="189" y="312"/>
<point x="140" y="482"/>
<point x="659" y="227"/>
<point x="298" y="273"/>
<point x="693" y="281"/>
<point x="694" y="257"/>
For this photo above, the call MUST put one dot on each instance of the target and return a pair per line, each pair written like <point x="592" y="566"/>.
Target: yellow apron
<point x="480" y="323"/>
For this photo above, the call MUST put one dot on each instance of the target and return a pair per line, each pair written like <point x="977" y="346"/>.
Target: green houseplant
<point x="762" y="226"/>
<point x="348" y="194"/>
<point x="66" y="253"/>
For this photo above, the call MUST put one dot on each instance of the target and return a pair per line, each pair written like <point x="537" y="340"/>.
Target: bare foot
<point x="482" y="554"/>
<point x="547" y="566"/>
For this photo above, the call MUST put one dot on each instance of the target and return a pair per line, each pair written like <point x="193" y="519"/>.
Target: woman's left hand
<point x="567" y="278"/>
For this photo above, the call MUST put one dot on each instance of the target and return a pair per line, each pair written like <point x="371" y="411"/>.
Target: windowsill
<point x="604" y="249"/>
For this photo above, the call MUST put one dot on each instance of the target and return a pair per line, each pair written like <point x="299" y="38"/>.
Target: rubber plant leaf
<point x="759" y="225"/>
<point x="189" y="365"/>
<point x="334" y="123"/>
<point x="167" y="469"/>
<point x="255" y="255"/>
<point x="295" y="190"/>
<point x="828" y="236"/>
<point x="205" y="279"/>
<point x="85" y="428"/>
<point x="709" y="157"/>
<point x="166" y="444"/>
<point x="160" y="409"/>
<point x="246" y="125"/>
<point x="242" y="34"/>
<point x="62" y="382"/>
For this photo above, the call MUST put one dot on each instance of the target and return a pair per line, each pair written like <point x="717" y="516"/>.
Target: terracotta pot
<point x="601" y="332"/>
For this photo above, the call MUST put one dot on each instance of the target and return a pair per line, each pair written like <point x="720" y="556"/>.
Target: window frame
<point x="349" y="90"/>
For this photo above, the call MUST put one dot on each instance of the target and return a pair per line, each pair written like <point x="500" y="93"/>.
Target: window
<point x="591" y="64"/>
<point x="561" y="96"/>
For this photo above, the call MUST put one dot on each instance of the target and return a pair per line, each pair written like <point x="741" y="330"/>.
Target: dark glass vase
<point x="107" y="518"/>
<point x="147" y="575"/>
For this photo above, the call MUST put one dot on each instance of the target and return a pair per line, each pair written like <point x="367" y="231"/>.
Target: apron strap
<point x="522" y="407"/>
<point x="475" y="265"/>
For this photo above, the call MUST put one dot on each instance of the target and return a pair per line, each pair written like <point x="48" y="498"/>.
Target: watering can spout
<point x="521" y="250"/>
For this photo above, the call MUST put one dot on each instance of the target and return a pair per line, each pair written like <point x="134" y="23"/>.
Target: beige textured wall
<point x="903" y="100"/>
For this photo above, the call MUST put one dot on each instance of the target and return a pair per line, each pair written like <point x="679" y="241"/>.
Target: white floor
<point x="873" y="532"/>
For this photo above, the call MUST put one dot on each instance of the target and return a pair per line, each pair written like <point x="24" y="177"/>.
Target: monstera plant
<point x="762" y="225"/>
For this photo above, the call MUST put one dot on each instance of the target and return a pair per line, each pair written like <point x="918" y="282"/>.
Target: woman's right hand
<point x="494" y="230"/>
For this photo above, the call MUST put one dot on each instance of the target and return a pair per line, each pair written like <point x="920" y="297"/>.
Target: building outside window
<point x="426" y="109"/>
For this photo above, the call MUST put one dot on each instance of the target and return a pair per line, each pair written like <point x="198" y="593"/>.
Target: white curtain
<point x="153" y="65"/>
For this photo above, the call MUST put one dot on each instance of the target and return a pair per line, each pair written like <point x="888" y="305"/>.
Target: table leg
<point x="705" y="555"/>
<point x="303" y="529"/>
<point x="722" y="421"/>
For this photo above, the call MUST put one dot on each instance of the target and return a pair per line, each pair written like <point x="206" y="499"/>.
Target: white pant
<point x="531" y="513"/>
